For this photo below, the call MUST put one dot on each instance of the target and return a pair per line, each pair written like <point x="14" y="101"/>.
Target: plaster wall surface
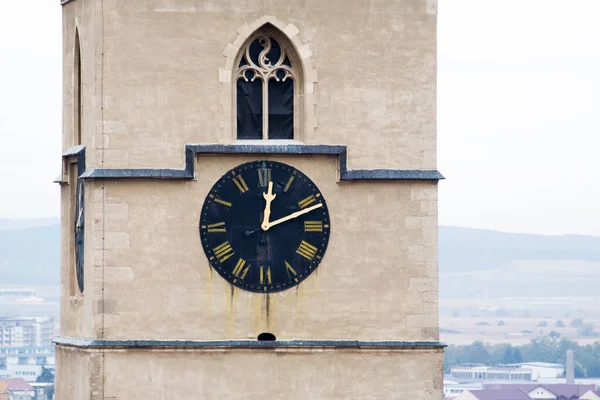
<point x="164" y="79"/>
<point x="83" y="17"/>
<point x="258" y="374"/>
<point x="377" y="281"/>
<point x="78" y="374"/>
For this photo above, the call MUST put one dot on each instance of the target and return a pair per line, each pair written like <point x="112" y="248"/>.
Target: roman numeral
<point x="313" y="226"/>
<point x="290" y="269"/>
<point x="289" y="183"/>
<point x="240" y="183"/>
<point x="216" y="228"/>
<point x="265" y="275"/>
<point x="264" y="176"/>
<point x="217" y="199"/>
<point x="223" y="251"/>
<point x="307" y="201"/>
<point x="307" y="250"/>
<point x="239" y="269"/>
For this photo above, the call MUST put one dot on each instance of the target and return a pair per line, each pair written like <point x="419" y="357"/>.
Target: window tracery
<point x="266" y="90"/>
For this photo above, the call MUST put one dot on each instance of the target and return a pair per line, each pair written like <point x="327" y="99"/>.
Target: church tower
<point x="249" y="200"/>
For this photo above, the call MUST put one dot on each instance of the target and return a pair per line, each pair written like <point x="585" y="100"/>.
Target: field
<point x="517" y="320"/>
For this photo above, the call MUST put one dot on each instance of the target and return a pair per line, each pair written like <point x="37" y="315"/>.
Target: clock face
<point x="78" y="233"/>
<point x="264" y="226"/>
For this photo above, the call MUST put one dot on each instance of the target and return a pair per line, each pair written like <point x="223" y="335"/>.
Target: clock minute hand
<point x="291" y="216"/>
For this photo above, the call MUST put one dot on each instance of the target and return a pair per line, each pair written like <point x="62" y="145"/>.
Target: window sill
<point x="262" y="142"/>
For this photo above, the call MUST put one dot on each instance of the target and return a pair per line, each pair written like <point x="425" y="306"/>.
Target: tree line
<point x="544" y="349"/>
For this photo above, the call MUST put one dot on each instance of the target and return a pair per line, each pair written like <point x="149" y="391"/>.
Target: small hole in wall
<point x="266" y="336"/>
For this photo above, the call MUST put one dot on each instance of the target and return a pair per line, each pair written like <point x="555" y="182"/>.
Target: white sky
<point x="519" y="81"/>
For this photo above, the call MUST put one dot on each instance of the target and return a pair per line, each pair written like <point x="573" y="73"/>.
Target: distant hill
<point x="10" y="224"/>
<point x="512" y="264"/>
<point x="30" y="256"/>
<point x="507" y="264"/>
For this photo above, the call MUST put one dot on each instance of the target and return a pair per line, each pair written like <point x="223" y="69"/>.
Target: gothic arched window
<point x="266" y="87"/>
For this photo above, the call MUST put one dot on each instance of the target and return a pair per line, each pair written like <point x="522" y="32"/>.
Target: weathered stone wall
<point x="77" y="369"/>
<point x="378" y="279"/>
<point x="370" y="76"/>
<point x="259" y="374"/>
<point x="85" y="17"/>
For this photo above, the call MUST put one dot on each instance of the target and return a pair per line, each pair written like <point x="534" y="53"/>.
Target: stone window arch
<point x="268" y="86"/>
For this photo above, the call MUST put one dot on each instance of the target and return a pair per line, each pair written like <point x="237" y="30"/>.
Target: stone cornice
<point x="192" y="150"/>
<point x="247" y="344"/>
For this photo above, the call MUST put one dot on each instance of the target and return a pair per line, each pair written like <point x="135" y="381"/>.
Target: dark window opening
<point x="77" y="109"/>
<point x="249" y="109"/>
<point x="281" y="109"/>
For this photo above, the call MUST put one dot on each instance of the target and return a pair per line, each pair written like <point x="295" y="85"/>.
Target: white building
<point x="10" y="295"/>
<point x="454" y="388"/>
<point x="544" y="370"/>
<point x="26" y="331"/>
<point x="591" y="395"/>
<point x="25" y="362"/>
<point x="481" y="372"/>
<point x="11" y="336"/>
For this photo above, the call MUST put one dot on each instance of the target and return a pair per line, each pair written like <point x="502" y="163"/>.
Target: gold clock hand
<point x="269" y="197"/>
<point x="78" y="224"/>
<point x="79" y="201"/>
<point x="291" y="216"/>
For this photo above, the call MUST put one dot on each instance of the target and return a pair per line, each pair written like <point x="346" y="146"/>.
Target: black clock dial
<point x="233" y="236"/>
<point x="79" y="233"/>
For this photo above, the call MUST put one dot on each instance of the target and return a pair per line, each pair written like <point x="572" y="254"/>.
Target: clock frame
<point x="258" y="252"/>
<point x="78" y="233"/>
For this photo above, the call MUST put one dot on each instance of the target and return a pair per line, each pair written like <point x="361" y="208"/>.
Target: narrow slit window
<point x="265" y="89"/>
<point x="77" y="107"/>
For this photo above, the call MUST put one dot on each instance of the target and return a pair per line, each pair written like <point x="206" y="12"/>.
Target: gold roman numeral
<point x="216" y="228"/>
<point x="307" y="250"/>
<point x="265" y="275"/>
<point x="217" y="199"/>
<point x="307" y="201"/>
<point x="240" y="183"/>
<point x="313" y="226"/>
<point x="264" y="176"/>
<point x="223" y="251"/>
<point x="239" y="269"/>
<point x="290" y="269"/>
<point x="289" y="183"/>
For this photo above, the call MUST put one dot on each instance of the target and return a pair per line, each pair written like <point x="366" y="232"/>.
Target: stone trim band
<point x="245" y="344"/>
<point x="192" y="150"/>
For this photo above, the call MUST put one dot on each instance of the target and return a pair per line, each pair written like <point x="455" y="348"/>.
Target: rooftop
<point x="16" y="384"/>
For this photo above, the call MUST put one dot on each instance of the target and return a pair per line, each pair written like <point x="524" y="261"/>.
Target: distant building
<point x="546" y="391"/>
<point x="490" y="394"/>
<point x="481" y="372"/>
<point x="591" y="395"/>
<point x="26" y="331"/>
<point x="453" y="388"/>
<point x="544" y="369"/>
<point x="17" y="389"/>
<point x="25" y="362"/>
<point x="4" y="391"/>
<point x="10" y="295"/>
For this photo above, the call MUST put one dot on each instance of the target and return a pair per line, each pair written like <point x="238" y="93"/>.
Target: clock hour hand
<point x="291" y="216"/>
<point x="249" y="233"/>
<point x="269" y="197"/>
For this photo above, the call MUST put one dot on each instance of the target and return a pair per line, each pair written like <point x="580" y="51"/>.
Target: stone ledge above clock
<point x="242" y="148"/>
